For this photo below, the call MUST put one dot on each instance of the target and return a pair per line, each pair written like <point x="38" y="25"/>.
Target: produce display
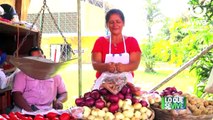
<point x="196" y="108"/>
<point x="199" y="106"/>
<point x="48" y="116"/>
<point x="104" y="105"/>
<point x="129" y="103"/>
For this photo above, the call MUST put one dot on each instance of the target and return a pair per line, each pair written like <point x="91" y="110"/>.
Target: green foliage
<point x="181" y="40"/>
<point x="148" y="57"/>
<point x="161" y="50"/>
<point x="203" y="68"/>
<point x="152" y="14"/>
<point x="193" y="36"/>
<point x="204" y="4"/>
<point x="187" y="37"/>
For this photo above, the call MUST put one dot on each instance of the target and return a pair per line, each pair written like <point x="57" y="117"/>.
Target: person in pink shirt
<point x="32" y="94"/>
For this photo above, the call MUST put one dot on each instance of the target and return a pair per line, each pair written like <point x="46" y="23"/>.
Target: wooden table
<point x="5" y="100"/>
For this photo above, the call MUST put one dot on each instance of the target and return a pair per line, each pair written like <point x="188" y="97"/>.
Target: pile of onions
<point x="100" y="98"/>
<point x="170" y="91"/>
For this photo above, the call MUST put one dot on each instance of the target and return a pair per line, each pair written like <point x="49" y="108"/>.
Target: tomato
<point x="5" y="116"/>
<point x="65" y="116"/>
<point x="26" y="117"/>
<point x="14" y="118"/>
<point x="55" y="118"/>
<point x="51" y="115"/>
<point x="19" y="115"/>
<point x="12" y="114"/>
<point x="39" y="117"/>
<point x="29" y="118"/>
<point x="2" y="118"/>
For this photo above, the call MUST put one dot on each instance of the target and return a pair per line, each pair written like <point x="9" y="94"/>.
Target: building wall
<point x="54" y="6"/>
<point x="93" y="20"/>
<point x="10" y="2"/>
<point x="92" y="17"/>
<point x="92" y="25"/>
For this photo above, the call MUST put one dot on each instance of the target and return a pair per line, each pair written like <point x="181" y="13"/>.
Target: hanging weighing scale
<point x="41" y="68"/>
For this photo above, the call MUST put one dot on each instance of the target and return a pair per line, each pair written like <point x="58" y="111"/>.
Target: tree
<point x="204" y="65"/>
<point x="202" y="8"/>
<point x="153" y="15"/>
<point x="188" y="37"/>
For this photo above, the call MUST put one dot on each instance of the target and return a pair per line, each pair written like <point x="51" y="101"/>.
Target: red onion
<point x="103" y="91"/>
<point x="180" y="92"/>
<point x="113" y="107"/>
<point x="106" y="97"/>
<point x="82" y="104"/>
<point x="95" y="94"/>
<point x="135" y="100"/>
<point x="173" y="89"/>
<point x="144" y="103"/>
<point x="79" y="101"/>
<point x="89" y="102"/>
<point x="128" y="96"/>
<point x="113" y="98"/>
<point x="166" y="92"/>
<point x="120" y="96"/>
<point x="128" y="91"/>
<point x="87" y="94"/>
<point x="169" y="88"/>
<point x="173" y="92"/>
<point x="161" y="94"/>
<point x="99" y="104"/>
<point x="124" y="90"/>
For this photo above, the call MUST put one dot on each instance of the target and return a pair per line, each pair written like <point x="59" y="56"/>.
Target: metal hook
<point x="45" y="2"/>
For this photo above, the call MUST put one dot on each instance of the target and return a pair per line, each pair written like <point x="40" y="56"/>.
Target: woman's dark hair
<point x="114" y="11"/>
<point x="35" y="49"/>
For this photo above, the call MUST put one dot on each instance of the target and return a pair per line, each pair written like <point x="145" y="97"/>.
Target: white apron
<point x="115" y="58"/>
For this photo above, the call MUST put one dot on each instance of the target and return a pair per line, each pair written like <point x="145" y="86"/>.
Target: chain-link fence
<point x="67" y="22"/>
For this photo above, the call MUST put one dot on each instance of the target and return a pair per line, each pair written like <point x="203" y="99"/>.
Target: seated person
<point x="32" y="94"/>
<point x="9" y="13"/>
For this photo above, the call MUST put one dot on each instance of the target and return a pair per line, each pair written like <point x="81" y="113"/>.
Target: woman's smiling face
<point x="115" y="24"/>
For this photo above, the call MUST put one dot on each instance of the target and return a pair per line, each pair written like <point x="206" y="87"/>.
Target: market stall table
<point x="5" y="100"/>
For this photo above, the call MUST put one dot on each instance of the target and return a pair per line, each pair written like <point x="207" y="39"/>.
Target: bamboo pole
<point x="79" y="49"/>
<point x="22" y="8"/>
<point x="187" y="64"/>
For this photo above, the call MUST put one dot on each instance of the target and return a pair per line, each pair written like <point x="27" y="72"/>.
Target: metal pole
<point x="79" y="48"/>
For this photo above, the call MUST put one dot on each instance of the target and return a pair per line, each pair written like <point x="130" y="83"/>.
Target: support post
<point x="79" y="48"/>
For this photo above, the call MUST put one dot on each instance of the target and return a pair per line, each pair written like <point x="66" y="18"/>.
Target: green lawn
<point x="184" y="81"/>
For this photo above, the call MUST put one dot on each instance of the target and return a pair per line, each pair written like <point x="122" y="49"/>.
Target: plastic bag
<point x="209" y="85"/>
<point x="6" y="80"/>
<point x="112" y="81"/>
<point x="3" y="80"/>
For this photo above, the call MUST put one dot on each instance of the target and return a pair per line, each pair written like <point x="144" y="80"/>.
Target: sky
<point x="135" y="14"/>
<point x="173" y="8"/>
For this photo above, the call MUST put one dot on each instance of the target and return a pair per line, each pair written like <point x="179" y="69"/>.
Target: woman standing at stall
<point x="116" y="53"/>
